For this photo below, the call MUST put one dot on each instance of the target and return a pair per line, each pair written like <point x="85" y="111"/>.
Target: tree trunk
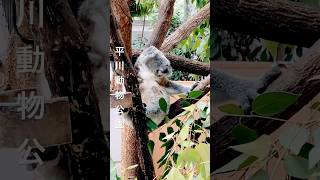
<point x="277" y="20"/>
<point x="296" y="79"/>
<point x="137" y="113"/>
<point x="68" y="72"/>
<point x="164" y="19"/>
<point x="186" y="29"/>
<point x="122" y="14"/>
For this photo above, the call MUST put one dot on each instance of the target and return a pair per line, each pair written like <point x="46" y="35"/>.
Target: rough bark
<point x="186" y="29"/>
<point x="129" y="143"/>
<point x="184" y="64"/>
<point x="122" y="14"/>
<point x="278" y="20"/>
<point x="295" y="80"/>
<point x="68" y="72"/>
<point x="163" y="23"/>
<point x="137" y="113"/>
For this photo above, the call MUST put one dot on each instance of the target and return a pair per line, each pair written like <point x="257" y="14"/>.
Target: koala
<point x="243" y="90"/>
<point x="154" y="70"/>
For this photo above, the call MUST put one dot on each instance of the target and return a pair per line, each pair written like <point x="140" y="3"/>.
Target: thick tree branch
<point x="163" y="23"/>
<point x="137" y="112"/>
<point x="184" y="64"/>
<point x="68" y="72"/>
<point x="294" y="80"/>
<point x="278" y="20"/>
<point x="122" y="12"/>
<point x="186" y="29"/>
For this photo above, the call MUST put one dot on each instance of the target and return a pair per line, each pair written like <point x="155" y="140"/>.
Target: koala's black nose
<point x="165" y="71"/>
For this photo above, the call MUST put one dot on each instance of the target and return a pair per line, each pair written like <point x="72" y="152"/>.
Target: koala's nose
<point x="165" y="71"/>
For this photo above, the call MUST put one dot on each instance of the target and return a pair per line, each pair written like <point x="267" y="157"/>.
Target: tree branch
<point x="137" y="113"/>
<point x="62" y="41"/>
<point x="184" y="64"/>
<point x="278" y="20"/>
<point x="294" y="80"/>
<point x="186" y="29"/>
<point x="164" y="19"/>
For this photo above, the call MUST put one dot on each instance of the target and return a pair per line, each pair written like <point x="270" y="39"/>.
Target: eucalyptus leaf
<point x="244" y="134"/>
<point x="232" y="165"/>
<point x="195" y="94"/>
<point x="231" y="109"/>
<point x="314" y="156"/>
<point x="294" y="138"/>
<point x="297" y="166"/>
<point x="151" y="125"/>
<point x="184" y="133"/>
<point x="175" y="174"/>
<point x="163" y="104"/>
<point x="272" y="103"/>
<point x="258" y="148"/>
<point x="150" y="146"/>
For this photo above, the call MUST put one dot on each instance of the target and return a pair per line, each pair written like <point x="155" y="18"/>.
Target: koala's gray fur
<point x="230" y="87"/>
<point x="154" y="69"/>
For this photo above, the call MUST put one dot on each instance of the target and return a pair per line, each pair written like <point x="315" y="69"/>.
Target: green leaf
<point x="248" y="162"/>
<point x="195" y="94"/>
<point x="163" y="104"/>
<point x="294" y="138"/>
<point x="151" y="125"/>
<point x="113" y="169"/>
<point x="168" y="144"/>
<point x="272" y="103"/>
<point x="175" y="174"/>
<point x="201" y="105"/>
<point x="314" y="156"/>
<point x="170" y="130"/>
<point x="169" y="136"/>
<point x="231" y="109"/>
<point x="260" y="175"/>
<point x="272" y="47"/>
<point x="187" y="143"/>
<point x="162" y="136"/>
<point x="204" y="152"/>
<point x="244" y="134"/>
<point x="297" y="166"/>
<point x="184" y="133"/>
<point x="150" y="146"/>
<point x="305" y="150"/>
<point x="232" y="165"/>
<point x="188" y="155"/>
<point x="258" y="148"/>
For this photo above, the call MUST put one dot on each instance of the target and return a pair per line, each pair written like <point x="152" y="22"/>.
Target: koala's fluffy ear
<point x="147" y="54"/>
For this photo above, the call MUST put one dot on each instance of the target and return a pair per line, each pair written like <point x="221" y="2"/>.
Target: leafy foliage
<point x="187" y="151"/>
<point x="234" y="46"/>
<point x="293" y="148"/>
<point x="140" y="8"/>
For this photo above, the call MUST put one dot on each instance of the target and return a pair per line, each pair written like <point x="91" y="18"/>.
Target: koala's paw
<point x="246" y="100"/>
